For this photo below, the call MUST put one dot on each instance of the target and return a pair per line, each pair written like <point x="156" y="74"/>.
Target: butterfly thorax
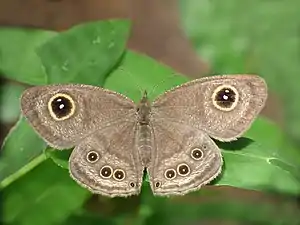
<point x="143" y="110"/>
<point x="144" y="140"/>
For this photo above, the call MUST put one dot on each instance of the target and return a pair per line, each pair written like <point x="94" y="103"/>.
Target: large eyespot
<point x="170" y="174"/>
<point x="61" y="106"/>
<point x="197" y="153"/>
<point x="183" y="169"/>
<point x="106" y="172"/>
<point x="92" y="156"/>
<point x="225" y="97"/>
<point x="119" y="175"/>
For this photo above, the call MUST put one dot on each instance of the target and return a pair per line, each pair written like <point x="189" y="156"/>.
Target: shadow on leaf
<point x="239" y="144"/>
<point x="60" y="157"/>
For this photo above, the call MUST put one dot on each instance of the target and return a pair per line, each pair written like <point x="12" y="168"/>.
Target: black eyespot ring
<point x="196" y="153"/>
<point x="106" y="172"/>
<point x="92" y="156"/>
<point x="183" y="169"/>
<point x="61" y="106"/>
<point x="225" y="97"/>
<point x="157" y="184"/>
<point x="170" y="174"/>
<point x="132" y="184"/>
<point x="119" y="175"/>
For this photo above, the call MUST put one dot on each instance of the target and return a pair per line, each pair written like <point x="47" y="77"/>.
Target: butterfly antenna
<point x="173" y="74"/>
<point x="132" y="78"/>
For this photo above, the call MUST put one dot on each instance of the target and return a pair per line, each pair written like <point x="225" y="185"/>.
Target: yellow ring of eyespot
<point x="183" y="164"/>
<point x="110" y="170"/>
<point x="118" y="178"/>
<point x="195" y="149"/>
<point x="234" y="104"/>
<point x="87" y="156"/>
<point x="168" y="178"/>
<point x="51" y="111"/>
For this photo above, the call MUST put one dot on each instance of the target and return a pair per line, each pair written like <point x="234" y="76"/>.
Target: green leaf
<point x="9" y="102"/>
<point x="138" y="73"/>
<point x="215" y="205"/>
<point x="21" y="146"/>
<point x="46" y="195"/>
<point x="60" y="157"/>
<point x="264" y="164"/>
<point x="87" y="219"/>
<point x="18" y="59"/>
<point x="85" y="53"/>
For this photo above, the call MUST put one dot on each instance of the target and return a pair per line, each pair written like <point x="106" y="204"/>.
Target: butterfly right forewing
<point x="200" y="104"/>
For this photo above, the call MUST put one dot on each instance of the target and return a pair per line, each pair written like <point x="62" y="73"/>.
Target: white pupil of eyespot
<point x="225" y="97"/>
<point x="61" y="106"/>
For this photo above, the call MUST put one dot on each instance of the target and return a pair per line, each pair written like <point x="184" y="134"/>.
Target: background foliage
<point x="34" y="179"/>
<point x="254" y="36"/>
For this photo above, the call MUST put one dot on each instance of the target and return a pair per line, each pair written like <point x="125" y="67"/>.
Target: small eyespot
<point x="225" y="97"/>
<point x="92" y="156"/>
<point x="197" y="153"/>
<point x="106" y="172"/>
<point x="61" y="106"/>
<point x="170" y="174"/>
<point x="157" y="184"/>
<point x="183" y="169"/>
<point x="132" y="184"/>
<point x="119" y="175"/>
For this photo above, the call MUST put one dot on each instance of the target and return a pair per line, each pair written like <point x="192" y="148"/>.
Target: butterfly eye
<point x="225" y="97"/>
<point x="61" y="106"/>
<point x="106" y="172"/>
<point x="170" y="174"/>
<point x="183" y="169"/>
<point x="119" y="175"/>
<point x="197" y="153"/>
<point x="92" y="156"/>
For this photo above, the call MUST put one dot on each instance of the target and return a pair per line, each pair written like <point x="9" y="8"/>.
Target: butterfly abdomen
<point x="145" y="143"/>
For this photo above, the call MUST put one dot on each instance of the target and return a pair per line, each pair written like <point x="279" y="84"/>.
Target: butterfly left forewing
<point x="63" y="115"/>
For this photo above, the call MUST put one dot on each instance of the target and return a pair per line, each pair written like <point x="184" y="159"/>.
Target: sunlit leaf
<point x="18" y="59"/>
<point x="45" y="195"/>
<point x="85" y="53"/>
